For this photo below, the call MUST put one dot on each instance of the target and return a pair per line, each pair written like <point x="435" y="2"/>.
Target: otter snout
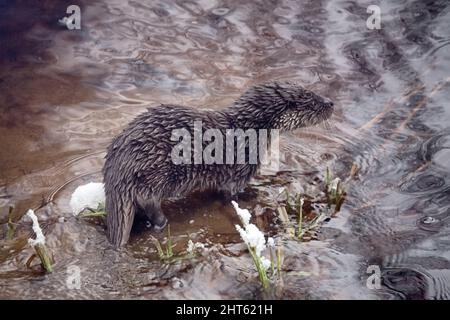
<point x="327" y="103"/>
<point x="328" y="108"/>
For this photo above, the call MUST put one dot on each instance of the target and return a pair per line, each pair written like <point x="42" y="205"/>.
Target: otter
<point x="139" y="171"/>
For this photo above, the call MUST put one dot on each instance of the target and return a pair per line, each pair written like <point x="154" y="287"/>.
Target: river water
<point x="65" y="93"/>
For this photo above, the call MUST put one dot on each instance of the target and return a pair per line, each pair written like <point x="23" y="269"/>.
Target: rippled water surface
<point x="65" y="93"/>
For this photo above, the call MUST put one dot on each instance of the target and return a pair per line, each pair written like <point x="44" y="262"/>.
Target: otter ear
<point x="281" y="91"/>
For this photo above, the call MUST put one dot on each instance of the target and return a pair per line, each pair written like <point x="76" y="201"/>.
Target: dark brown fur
<point x="139" y="171"/>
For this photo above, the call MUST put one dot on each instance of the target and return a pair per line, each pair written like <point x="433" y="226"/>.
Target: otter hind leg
<point x="152" y="209"/>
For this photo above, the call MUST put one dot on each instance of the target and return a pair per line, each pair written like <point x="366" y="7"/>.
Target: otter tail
<point x="119" y="220"/>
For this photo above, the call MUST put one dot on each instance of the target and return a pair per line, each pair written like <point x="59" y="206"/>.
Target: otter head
<point x="283" y="105"/>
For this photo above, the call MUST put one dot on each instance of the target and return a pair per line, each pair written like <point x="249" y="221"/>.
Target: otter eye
<point x="308" y="95"/>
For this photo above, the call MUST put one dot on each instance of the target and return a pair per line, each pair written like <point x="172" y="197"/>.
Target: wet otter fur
<point x="139" y="172"/>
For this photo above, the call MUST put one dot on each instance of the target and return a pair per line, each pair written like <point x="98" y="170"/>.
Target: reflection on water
<point x="65" y="93"/>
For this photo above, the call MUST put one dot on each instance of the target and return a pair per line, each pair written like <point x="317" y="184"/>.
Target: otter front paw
<point x="226" y="196"/>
